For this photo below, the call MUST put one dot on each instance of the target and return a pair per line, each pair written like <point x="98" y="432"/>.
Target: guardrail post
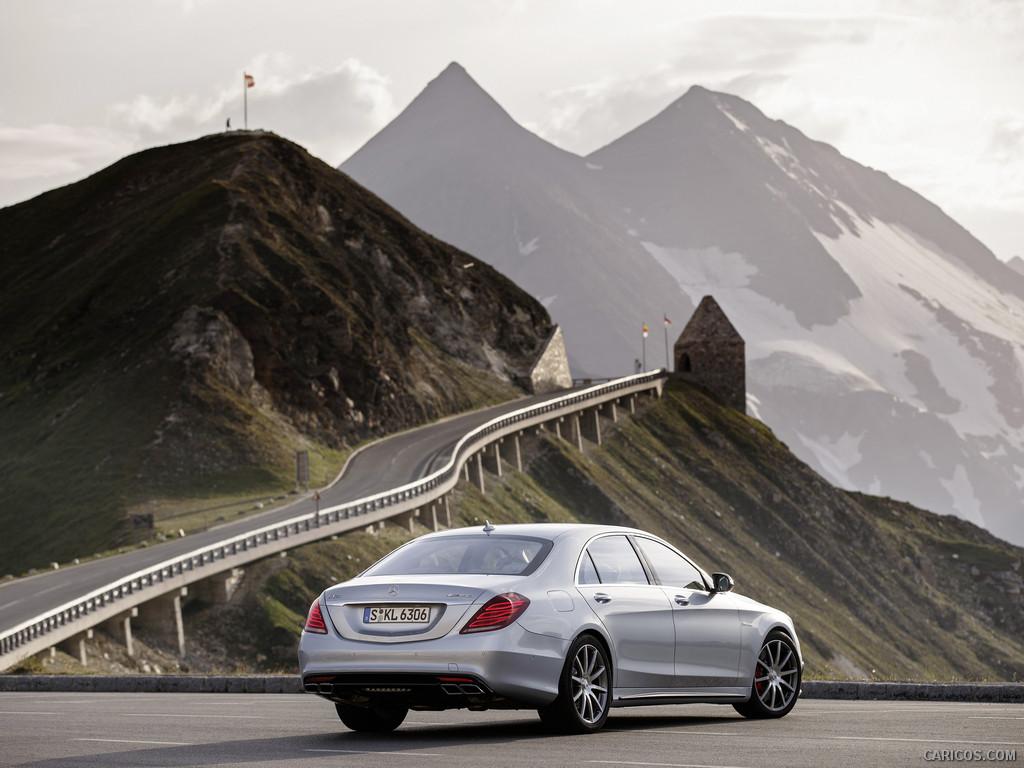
<point x="162" y="617"/>
<point x="120" y="628"/>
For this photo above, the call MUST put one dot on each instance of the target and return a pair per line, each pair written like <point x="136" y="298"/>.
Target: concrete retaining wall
<point x="812" y="689"/>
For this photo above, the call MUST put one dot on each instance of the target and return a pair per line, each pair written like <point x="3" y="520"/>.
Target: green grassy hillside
<point x="878" y="589"/>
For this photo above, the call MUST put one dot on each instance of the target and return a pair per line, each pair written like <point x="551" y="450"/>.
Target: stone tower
<point x="711" y="353"/>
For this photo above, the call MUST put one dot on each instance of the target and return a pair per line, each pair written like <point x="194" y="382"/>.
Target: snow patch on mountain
<point x="767" y="327"/>
<point x="920" y="353"/>
<point x="967" y="505"/>
<point x="836" y="456"/>
<point x="699" y="270"/>
<point x="882" y="260"/>
<point x="525" y="249"/>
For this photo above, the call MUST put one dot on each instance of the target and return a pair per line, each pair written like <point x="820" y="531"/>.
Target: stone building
<point x="550" y="372"/>
<point x="711" y="353"/>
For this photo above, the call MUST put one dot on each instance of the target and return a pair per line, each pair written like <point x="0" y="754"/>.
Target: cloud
<point x="1006" y="139"/>
<point x="34" y="160"/>
<point x="147" y="117"/>
<point x="757" y="57"/>
<point x="53" y="150"/>
<point x="328" y="111"/>
<point x="586" y="117"/>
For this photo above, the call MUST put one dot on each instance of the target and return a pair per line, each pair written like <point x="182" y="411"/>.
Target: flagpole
<point x="644" y="352"/>
<point x="667" y="367"/>
<point x="245" y="98"/>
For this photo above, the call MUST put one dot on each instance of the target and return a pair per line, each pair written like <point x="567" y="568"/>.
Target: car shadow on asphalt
<point x="645" y="722"/>
<point x="410" y="737"/>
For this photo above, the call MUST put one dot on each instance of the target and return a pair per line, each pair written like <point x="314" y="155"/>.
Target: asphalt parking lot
<point x="72" y="730"/>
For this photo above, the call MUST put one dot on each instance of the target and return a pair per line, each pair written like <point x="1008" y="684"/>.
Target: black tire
<point x="584" y="689"/>
<point x="776" y="684"/>
<point x="371" y="719"/>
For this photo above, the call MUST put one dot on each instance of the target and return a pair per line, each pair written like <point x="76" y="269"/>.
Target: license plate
<point x="396" y="614"/>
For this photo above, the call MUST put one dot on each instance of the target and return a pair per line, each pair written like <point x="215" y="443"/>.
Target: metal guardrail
<point x="103" y="604"/>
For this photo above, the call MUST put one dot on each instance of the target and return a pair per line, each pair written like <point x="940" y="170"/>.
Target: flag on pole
<point x="247" y="83"/>
<point x="667" y="321"/>
<point x="645" y="330"/>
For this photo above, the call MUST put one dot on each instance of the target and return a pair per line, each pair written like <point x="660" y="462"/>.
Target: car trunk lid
<point x="389" y="610"/>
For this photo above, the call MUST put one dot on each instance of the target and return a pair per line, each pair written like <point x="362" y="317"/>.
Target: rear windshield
<point x="494" y="554"/>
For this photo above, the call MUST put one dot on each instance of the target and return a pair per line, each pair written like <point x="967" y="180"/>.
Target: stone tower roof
<point x="711" y="353"/>
<point x="709" y="323"/>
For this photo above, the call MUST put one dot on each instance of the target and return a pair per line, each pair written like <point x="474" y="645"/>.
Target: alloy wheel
<point x="590" y="683"/>
<point x="776" y="676"/>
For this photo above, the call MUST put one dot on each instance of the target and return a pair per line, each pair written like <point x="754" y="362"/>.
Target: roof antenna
<point x="488" y="527"/>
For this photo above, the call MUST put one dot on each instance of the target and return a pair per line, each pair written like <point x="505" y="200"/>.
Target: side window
<point x="669" y="568"/>
<point x="588" y="573"/>
<point x="616" y="561"/>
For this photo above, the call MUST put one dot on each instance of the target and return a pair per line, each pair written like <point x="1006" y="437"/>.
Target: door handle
<point x="601" y="597"/>
<point x="682" y="600"/>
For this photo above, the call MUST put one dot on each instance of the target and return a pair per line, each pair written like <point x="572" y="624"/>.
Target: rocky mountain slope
<point x="883" y="340"/>
<point x="187" y="318"/>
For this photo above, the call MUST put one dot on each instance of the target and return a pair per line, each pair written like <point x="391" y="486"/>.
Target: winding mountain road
<point x="388" y="463"/>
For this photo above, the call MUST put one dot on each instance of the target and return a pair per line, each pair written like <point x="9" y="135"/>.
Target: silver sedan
<point x="569" y="620"/>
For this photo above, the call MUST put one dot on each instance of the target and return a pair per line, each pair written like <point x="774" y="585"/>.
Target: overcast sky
<point x="929" y="91"/>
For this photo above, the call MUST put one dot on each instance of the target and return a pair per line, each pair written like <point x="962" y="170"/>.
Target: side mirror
<point x="722" y="582"/>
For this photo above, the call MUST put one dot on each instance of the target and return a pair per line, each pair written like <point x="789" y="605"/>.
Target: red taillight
<point x="496" y="613"/>
<point x="315" y="620"/>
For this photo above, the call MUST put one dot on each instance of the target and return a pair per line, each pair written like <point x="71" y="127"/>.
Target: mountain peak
<point x="454" y="78"/>
<point x="454" y="96"/>
<point x="697" y="91"/>
<point x="454" y="110"/>
<point x="454" y="69"/>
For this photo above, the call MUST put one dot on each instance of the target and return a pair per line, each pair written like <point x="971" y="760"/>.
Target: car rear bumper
<point x="416" y="691"/>
<point x="510" y="668"/>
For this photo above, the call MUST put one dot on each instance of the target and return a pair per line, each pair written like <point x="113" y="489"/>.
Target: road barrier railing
<point x="69" y="620"/>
